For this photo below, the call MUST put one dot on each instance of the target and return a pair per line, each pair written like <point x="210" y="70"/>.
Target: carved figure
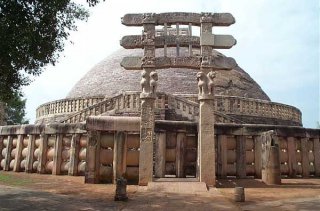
<point x="147" y="38"/>
<point x="144" y="82"/>
<point x="205" y="61"/>
<point x="153" y="82"/>
<point x="149" y="17"/>
<point x="202" y="83"/>
<point x="150" y="61"/>
<point x="206" y="16"/>
<point x="211" y="75"/>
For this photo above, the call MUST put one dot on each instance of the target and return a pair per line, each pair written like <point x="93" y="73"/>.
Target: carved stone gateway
<point x="206" y="62"/>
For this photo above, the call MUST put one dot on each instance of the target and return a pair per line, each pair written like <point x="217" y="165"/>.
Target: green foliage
<point x="32" y="34"/>
<point x="15" y="110"/>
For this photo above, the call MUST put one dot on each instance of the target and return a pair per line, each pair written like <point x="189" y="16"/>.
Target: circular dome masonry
<point x="108" y="78"/>
<point x="108" y="89"/>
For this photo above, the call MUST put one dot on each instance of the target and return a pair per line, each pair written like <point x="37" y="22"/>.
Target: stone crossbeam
<point x="191" y="62"/>
<point x="217" y="19"/>
<point x="216" y="41"/>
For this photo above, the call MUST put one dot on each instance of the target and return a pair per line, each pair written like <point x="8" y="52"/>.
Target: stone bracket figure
<point x="206" y="85"/>
<point x="149" y="84"/>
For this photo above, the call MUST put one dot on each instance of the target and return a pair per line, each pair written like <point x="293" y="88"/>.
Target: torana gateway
<point x="168" y="105"/>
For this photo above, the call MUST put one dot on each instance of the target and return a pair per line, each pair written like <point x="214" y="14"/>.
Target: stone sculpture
<point x="211" y="75"/>
<point x="153" y="82"/>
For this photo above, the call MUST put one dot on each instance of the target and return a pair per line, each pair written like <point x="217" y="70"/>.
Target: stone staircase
<point x="128" y="104"/>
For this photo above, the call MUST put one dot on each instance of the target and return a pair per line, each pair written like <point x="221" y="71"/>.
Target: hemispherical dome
<point x="108" y="78"/>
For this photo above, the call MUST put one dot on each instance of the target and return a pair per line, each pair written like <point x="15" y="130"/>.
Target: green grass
<point x="13" y="181"/>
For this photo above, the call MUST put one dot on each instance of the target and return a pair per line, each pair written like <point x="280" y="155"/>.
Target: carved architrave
<point x="191" y="62"/>
<point x="218" y="42"/>
<point x="218" y="19"/>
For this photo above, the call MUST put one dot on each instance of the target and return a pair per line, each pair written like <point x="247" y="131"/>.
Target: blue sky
<point x="277" y="44"/>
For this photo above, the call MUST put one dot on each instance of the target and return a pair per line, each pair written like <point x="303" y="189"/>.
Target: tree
<point x="32" y="34"/>
<point x="15" y="110"/>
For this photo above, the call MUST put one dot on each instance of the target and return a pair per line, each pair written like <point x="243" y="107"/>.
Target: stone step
<point x="177" y="185"/>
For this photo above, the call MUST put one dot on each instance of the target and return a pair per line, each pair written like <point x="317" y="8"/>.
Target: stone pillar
<point x="160" y="154"/>
<point x="74" y="155"/>
<point x="146" y="141"/>
<point x="57" y="156"/>
<point x="147" y="96"/>
<point x="271" y="173"/>
<point x="206" y="143"/>
<point x="119" y="155"/>
<point x="18" y="157"/>
<point x="42" y="155"/>
<point x="206" y="113"/>
<point x="7" y="157"/>
<point x="181" y="139"/>
<point x="92" y="171"/>
<point x="30" y="154"/>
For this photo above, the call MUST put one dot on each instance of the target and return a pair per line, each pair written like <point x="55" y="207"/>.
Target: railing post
<point x="222" y="158"/>
<point x="119" y="155"/>
<point x="181" y="139"/>
<point x="292" y="162"/>
<point x="92" y="172"/>
<point x="7" y="156"/>
<point x="241" y="156"/>
<point x="74" y="155"/>
<point x="316" y="152"/>
<point x="160" y="154"/>
<point x="16" y="166"/>
<point x="30" y="154"/>
<point x="42" y="156"/>
<point x="257" y="156"/>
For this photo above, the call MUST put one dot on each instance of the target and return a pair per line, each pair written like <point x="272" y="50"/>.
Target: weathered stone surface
<point x="113" y="123"/>
<point x="218" y="62"/>
<point x="146" y="141"/>
<point x="207" y="172"/>
<point x="216" y="41"/>
<point x="218" y="19"/>
<point x="106" y="79"/>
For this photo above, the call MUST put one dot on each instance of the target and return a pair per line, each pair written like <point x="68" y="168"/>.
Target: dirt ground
<point x="21" y="191"/>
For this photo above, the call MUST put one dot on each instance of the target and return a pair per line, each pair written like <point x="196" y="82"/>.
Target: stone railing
<point x="66" y="106"/>
<point x="45" y="149"/>
<point x="184" y="107"/>
<point x="124" y="103"/>
<point x="107" y="147"/>
<point x="236" y="108"/>
<point x="239" y="149"/>
<point x="190" y="110"/>
<point x="259" y="108"/>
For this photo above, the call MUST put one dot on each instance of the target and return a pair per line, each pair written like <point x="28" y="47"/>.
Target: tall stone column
<point x="206" y="96"/>
<point x="148" y="95"/>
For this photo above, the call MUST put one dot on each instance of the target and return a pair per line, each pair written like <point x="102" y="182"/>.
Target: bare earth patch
<point x="21" y="191"/>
